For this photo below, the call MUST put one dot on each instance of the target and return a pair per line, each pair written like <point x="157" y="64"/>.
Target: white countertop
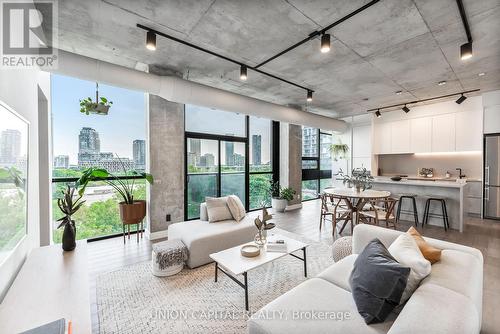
<point x="426" y="183"/>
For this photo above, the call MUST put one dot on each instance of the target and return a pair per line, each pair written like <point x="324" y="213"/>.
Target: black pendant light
<point x="151" y="40"/>
<point x="325" y="43"/>
<point x="243" y="73"/>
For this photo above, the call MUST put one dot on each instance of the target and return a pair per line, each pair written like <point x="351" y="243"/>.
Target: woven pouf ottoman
<point x="342" y="247"/>
<point x="168" y="257"/>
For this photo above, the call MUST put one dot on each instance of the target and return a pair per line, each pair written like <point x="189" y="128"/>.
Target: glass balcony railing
<point x="100" y="215"/>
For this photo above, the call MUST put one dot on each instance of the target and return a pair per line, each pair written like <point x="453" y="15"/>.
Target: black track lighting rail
<point x="423" y="100"/>
<point x="317" y="33"/>
<point x="194" y="46"/>
<point x="461" y="9"/>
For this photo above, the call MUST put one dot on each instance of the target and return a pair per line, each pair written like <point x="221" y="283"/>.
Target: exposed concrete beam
<point x="183" y="91"/>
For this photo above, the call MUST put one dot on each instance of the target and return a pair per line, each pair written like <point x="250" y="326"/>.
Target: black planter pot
<point x="69" y="237"/>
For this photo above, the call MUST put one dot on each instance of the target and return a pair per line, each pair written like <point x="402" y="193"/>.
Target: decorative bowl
<point x="250" y="251"/>
<point x="396" y="178"/>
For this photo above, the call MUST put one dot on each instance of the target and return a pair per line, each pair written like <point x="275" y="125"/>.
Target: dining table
<point x="355" y="200"/>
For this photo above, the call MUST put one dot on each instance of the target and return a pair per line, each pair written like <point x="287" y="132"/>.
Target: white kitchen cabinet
<point x="382" y="138"/>
<point x="400" y="136"/>
<point x="469" y="131"/>
<point x="361" y="141"/>
<point x="443" y="133"/>
<point x="421" y="135"/>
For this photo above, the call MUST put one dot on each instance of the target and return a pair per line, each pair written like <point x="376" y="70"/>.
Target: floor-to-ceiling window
<point x="228" y="153"/>
<point x="115" y="142"/>
<point x="316" y="162"/>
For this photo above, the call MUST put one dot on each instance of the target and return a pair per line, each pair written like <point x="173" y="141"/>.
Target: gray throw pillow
<point x="217" y="209"/>
<point x="377" y="282"/>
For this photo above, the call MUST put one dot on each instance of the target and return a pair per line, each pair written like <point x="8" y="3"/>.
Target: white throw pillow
<point x="236" y="207"/>
<point x="217" y="209"/>
<point x="405" y="250"/>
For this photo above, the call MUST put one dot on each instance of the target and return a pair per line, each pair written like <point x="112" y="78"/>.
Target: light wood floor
<point x="112" y="254"/>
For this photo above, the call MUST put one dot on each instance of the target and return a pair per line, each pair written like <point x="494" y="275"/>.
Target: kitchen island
<point x="453" y="192"/>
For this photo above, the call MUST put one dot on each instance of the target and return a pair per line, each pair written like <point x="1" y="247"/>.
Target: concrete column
<point x="291" y="161"/>
<point x="166" y="162"/>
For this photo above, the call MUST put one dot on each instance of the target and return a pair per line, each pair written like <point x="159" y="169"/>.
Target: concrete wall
<point x="166" y="162"/>
<point x="291" y="159"/>
<point x="19" y="90"/>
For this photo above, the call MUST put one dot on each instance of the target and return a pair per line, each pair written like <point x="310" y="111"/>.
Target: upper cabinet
<point x="400" y="136"/>
<point x="421" y="135"/>
<point x="468" y="131"/>
<point x="451" y="132"/>
<point x="443" y="133"/>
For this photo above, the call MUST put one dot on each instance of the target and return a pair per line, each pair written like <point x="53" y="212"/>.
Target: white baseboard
<point x="156" y="235"/>
<point x="293" y="207"/>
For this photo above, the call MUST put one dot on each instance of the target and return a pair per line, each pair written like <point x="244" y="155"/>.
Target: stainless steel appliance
<point x="491" y="194"/>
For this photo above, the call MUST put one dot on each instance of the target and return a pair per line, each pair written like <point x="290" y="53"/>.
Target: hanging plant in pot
<point x="132" y="211"/>
<point x="69" y="207"/>
<point x="339" y="151"/>
<point x="100" y="106"/>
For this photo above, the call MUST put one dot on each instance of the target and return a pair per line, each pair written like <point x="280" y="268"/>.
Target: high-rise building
<point x="309" y="142"/>
<point x="207" y="160"/>
<point x="61" y="161"/>
<point x="195" y="146"/>
<point x="88" y="141"/>
<point x="256" y="150"/>
<point x="139" y="154"/>
<point x="229" y="153"/>
<point x="10" y="146"/>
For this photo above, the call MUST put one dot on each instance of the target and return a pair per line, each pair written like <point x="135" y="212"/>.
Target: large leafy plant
<point x="124" y="187"/>
<point x="278" y="192"/>
<point x="359" y="178"/>
<point x="68" y="205"/>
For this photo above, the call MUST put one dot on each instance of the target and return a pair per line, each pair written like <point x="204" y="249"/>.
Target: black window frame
<point x="316" y="174"/>
<point x="275" y="145"/>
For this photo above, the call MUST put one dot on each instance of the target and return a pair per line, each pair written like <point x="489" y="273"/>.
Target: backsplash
<point x="408" y="164"/>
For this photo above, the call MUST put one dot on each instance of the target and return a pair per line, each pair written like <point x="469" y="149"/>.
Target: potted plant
<point x="359" y="179"/>
<point x="100" y="106"/>
<point x="339" y="151"/>
<point x="280" y="196"/>
<point x="132" y="211"/>
<point x="69" y="207"/>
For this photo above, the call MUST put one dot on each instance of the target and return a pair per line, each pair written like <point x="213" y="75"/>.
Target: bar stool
<point x="414" y="203"/>
<point x="444" y="212"/>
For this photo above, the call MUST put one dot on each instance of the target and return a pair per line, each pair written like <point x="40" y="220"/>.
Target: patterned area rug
<point x="132" y="300"/>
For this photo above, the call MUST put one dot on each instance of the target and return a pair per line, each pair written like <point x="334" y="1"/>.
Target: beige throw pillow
<point x="236" y="207"/>
<point x="217" y="209"/>
<point x="405" y="250"/>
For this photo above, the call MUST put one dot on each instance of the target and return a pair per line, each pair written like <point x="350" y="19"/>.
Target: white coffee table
<point x="232" y="263"/>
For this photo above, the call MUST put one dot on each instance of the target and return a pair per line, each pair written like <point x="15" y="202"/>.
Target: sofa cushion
<point x="377" y="282"/>
<point x="236" y="207"/>
<point x="203" y="238"/>
<point x="283" y="315"/>
<point x="438" y="310"/>
<point x="218" y="209"/>
<point x="203" y="211"/>
<point x="431" y="253"/>
<point x="460" y="272"/>
<point x="405" y="250"/>
<point x="339" y="272"/>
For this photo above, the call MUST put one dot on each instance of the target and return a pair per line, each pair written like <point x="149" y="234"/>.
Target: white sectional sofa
<point x="449" y="300"/>
<point x="203" y="238"/>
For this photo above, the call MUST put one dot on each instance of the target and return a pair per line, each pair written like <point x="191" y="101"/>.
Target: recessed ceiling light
<point x="441" y="83"/>
<point x="481" y="74"/>
<point x="399" y="92"/>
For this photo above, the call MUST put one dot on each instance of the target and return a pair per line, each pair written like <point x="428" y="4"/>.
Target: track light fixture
<point x="150" y="40"/>
<point x="378" y="114"/>
<point x="325" y="43"/>
<point x="243" y="72"/>
<point x="466" y="51"/>
<point x="405" y="109"/>
<point x="309" y="95"/>
<point x="461" y="99"/>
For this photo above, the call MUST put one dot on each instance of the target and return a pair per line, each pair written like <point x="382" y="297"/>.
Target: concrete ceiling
<point x="394" y="45"/>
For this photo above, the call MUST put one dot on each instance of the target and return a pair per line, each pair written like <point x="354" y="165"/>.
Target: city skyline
<point x="117" y="130"/>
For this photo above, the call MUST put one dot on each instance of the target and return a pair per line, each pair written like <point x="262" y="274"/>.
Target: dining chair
<point x="337" y="209"/>
<point x="381" y="210"/>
